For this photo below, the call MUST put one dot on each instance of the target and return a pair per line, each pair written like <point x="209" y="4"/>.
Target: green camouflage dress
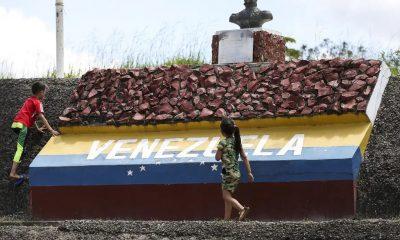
<point x="230" y="164"/>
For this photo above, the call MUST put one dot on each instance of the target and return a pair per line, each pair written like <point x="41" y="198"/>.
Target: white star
<point x="214" y="167"/>
<point x="130" y="173"/>
<point x="202" y="163"/>
<point x="142" y="168"/>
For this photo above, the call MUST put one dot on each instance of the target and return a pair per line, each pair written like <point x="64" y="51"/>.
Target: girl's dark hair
<point x="37" y="87"/>
<point x="230" y="129"/>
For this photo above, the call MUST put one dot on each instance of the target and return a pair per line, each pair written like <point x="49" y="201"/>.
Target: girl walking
<point x="228" y="152"/>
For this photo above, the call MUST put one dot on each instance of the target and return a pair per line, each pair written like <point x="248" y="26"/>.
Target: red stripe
<point x="268" y="201"/>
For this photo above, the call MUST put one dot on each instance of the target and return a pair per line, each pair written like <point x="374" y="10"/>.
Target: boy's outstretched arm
<point x="247" y="164"/>
<point x="40" y="129"/>
<point x="47" y="125"/>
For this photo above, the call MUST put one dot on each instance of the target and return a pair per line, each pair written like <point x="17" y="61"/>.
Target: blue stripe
<point x="308" y="153"/>
<point x="195" y="173"/>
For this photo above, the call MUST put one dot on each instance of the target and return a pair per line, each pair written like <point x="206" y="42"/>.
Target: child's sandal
<point x="21" y="180"/>
<point x="243" y="213"/>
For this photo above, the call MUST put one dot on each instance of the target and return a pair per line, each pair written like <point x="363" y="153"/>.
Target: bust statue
<point x="251" y="17"/>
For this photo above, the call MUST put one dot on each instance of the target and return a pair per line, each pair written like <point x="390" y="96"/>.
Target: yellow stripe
<point x="252" y="123"/>
<point x="364" y="142"/>
<point x="328" y="135"/>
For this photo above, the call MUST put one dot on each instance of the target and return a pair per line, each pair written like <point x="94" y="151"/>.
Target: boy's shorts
<point x="22" y="131"/>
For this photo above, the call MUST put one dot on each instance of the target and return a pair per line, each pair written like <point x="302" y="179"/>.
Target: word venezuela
<point x="192" y="147"/>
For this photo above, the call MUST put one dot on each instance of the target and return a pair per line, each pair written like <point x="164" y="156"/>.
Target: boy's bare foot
<point x="243" y="213"/>
<point x="14" y="176"/>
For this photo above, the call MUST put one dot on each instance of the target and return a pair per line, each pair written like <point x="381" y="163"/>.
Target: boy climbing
<point x="228" y="152"/>
<point x="31" y="110"/>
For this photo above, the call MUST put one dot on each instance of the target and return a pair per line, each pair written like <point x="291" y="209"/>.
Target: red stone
<point x="350" y="73"/>
<point x="206" y="113"/>
<point x="367" y="91"/>
<point x="332" y="77"/>
<point x="165" y="108"/>
<point x="175" y="85"/>
<point x="220" y="113"/>
<point x="163" y="117"/>
<point x="215" y="103"/>
<point x="363" y="67"/>
<point x="347" y="83"/>
<point x="323" y="90"/>
<point x="193" y="78"/>
<point x="151" y="116"/>
<point x="125" y="77"/>
<point x="361" y="77"/>
<point x="144" y="106"/>
<point x="187" y="106"/>
<point x="173" y="101"/>
<point x="86" y="111"/>
<point x="301" y="69"/>
<point x="68" y="110"/>
<point x="372" y="80"/>
<point x="239" y="65"/>
<point x="205" y="68"/>
<point x="288" y="104"/>
<point x="235" y="115"/>
<point x="295" y="87"/>
<point x="306" y="111"/>
<point x="251" y="86"/>
<point x="285" y="83"/>
<point x="64" y="119"/>
<point x="210" y="81"/>
<point x="334" y="84"/>
<point x="138" y="117"/>
<point x="349" y="95"/>
<point x="261" y="90"/>
<point x="311" y="102"/>
<point x="375" y="62"/>
<point x="201" y="105"/>
<point x="201" y="91"/>
<point x="372" y="71"/>
<point x="362" y="106"/>
<point x="358" y="84"/>
<point x="194" y="114"/>
<point x="350" y="105"/>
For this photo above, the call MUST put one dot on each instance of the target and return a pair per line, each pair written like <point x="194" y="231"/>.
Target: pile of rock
<point x="240" y="91"/>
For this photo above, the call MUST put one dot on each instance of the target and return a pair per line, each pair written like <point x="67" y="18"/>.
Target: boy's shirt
<point x="30" y="110"/>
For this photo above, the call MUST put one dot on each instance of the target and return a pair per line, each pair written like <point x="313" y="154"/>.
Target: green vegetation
<point x="329" y="49"/>
<point x="291" y="53"/>
<point x="190" y="60"/>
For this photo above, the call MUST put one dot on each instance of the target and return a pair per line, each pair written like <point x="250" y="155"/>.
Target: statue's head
<point x="250" y="3"/>
<point x="251" y="17"/>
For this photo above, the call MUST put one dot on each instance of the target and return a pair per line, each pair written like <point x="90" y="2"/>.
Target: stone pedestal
<point x="247" y="45"/>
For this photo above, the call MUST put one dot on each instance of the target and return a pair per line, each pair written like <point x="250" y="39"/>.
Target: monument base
<point x="247" y="45"/>
<point x="268" y="201"/>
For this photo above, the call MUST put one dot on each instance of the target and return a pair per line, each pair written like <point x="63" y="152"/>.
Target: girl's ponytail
<point x="238" y="140"/>
<point x="229" y="128"/>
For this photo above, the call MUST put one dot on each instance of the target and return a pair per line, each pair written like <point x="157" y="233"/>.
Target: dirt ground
<point x="96" y="230"/>
<point x="378" y="196"/>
